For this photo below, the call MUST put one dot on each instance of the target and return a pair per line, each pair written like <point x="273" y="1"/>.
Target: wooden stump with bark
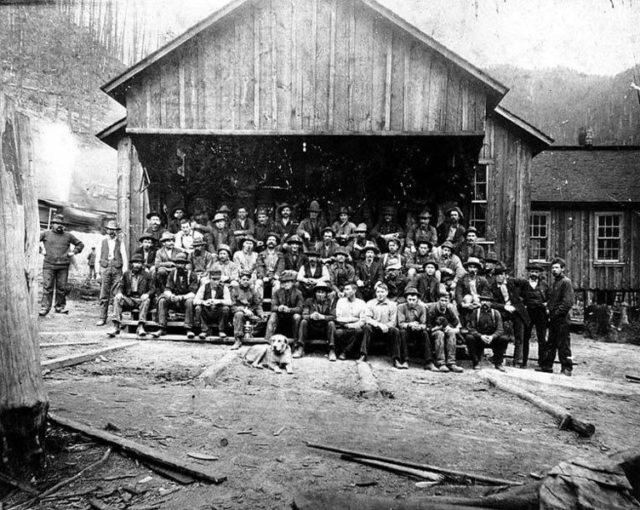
<point x="23" y="401"/>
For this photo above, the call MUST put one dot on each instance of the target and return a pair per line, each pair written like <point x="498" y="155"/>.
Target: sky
<point x="592" y="36"/>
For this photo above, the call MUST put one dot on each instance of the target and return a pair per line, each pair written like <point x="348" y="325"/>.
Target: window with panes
<point x="539" y="236"/>
<point x="608" y="237"/>
<point x="478" y="216"/>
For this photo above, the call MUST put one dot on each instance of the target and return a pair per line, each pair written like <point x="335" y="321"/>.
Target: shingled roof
<point x="586" y="174"/>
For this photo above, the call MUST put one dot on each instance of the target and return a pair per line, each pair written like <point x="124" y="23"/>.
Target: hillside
<point x="560" y="101"/>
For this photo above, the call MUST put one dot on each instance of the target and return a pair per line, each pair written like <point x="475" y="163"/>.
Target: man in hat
<point x="182" y="285"/>
<point x="423" y="231"/>
<point x="55" y="245"/>
<point x="228" y="269"/>
<point x="285" y="226"/>
<point x="294" y="259"/>
<point x="380" y="324"/>
<point x="242" y="222"/>
<point x="176" y="220"/>
<point x="286" y="310"/>
<point x="451" y="228"/>
<point x="225" y="210"/>
<point x="270" y="265"/>
<point x="186" y="236"/>
<point x="358" y="243"/>
<point x="312" y="272"/>
<point x="263" y="227"/>
<point x="412" y="322"/>
<point x="445" y="258"/>
<point x="147" y="250"/>
<point x="327" y="247"/>
<point x="154" y="227"/>
<point x="535" y="294"/>
<point x="490" y="263"/>
<point x="247" y="260"/>
<point x="110" y="264"/>
<point x="351" y="316"/>
<point x="344" y="229"/>
<point x="341" y="271"/>
<point x="310" y="228"/>
<point x="134" y="291"/>
<point x="246" y="309"/>
<point x="469" y="288"/>
<point x="446" y="282"/>
<point x="202" y="226"/>
<point x="220" y="233"/>
<point x="368" y="272"/>
<point x="164" y="262"/>
<point x="486" y="330"/>
<point x="200" y="260"/>
<point x="212" y="303"/>
<point x="507" y="299"/>
<point x="558" y="305"/>
<point x="318" y="320"/>
<point x="470" y="247"/>
<point x="428" y="283"/>
<point x="387" y="229"/>
<point x="415" y="261"/>
<point x="91" y="262"/>
<point x="394" y="267"/>
<point x="443" y="326"/>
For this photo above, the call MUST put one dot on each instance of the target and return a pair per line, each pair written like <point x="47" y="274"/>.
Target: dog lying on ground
<point x="276" y="355"/>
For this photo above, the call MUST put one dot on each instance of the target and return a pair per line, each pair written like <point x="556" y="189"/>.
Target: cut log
<point x="395" y="468"/>
<point x="212" y="372"/>
<point x="436" y="469"/>
<point x="76" y="359"/>
<point x="65" y="344"/>
<point x="368" y="384"/>
<point x="632" y="378"/>
<point x="23" y="400"/>
<point x="138" y="450"/>
<point x="565" y="420"/>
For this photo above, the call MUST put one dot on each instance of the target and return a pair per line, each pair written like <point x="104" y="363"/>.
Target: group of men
<point x="345" y="283"/>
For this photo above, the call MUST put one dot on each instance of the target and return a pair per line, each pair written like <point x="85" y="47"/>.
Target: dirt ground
<point x="256" y="422"/>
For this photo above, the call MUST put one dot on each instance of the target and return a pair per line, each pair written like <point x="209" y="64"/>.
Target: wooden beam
<point x="76" y="359"/>
<point x="395" y="468"/>
<point x="138" y="450"/>
<point x="292" y="132"/>
<point x="66" y="344"/>
<point x="387" y="83"/>
<point x="256" y="67"/>
<point x="332" y="63"/>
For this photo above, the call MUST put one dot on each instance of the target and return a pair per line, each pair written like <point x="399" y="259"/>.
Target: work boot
<point x="566" y="371"/>
<point x="202" y="335"/>
<point x="115" y="331"/>
<point x="141" y="332"/>
<point x="222" y="335"/>
<point x="299" y="352"/>
<point x="362" y="358"/>
<point x="43" y="312"/>
<point x="159" y="333"/>
<point x="236" y="345"/>
<point x="455" y="368"/>
<point x="404" y="365"/>
<point x="101" y="322"/>
<point x="443" y="368"/>
<point x="61" y="309"/>
<point x="342" y="356"/>
<point x="430" y="367"/>
<point x="500" y="368"/>
<point x="545" y="370"/>
<point x="332" y="354"/>
<point x="397" y="364"/>
<point x="190" y="334"/>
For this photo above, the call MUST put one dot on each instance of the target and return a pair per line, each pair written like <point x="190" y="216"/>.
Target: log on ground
<point x="212" y="372"/>
<point x="368" y="384"/>
<point x="76" y="359"/>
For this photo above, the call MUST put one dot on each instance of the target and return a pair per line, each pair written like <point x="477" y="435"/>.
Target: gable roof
<point x="586" y="174"/>
<point x="116" y="87"/>
<point x="542" y="139"/>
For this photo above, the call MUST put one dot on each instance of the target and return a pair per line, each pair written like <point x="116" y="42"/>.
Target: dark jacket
<point x="535" y="298"/>
<point x="514" y="289"/>
<point x="290" y="298"/>
<point x="560" y="298"/>
<point x="464" y="287"/>
<point x="428" y="288"/>
<point x="145" y="284"/>
<point x="326" y="308"/>
<point x="485" y="323"/>
<point x="181" y="286"/>
<point x="148" y="259"/>
<point x="57" y="248"/>
<point x="341" y="275"/>
<point x="245" y="298"/>
<point x="443" y="232"/>
<point x="465" y="251"/>
<point x="370" y="275"/>
<point x="291" y="264"/>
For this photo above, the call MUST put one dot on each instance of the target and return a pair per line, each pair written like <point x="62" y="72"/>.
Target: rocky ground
<point x="256" y="422"/>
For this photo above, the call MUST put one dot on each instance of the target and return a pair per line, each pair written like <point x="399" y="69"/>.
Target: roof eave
<point x="544" y="140"/>
<point x="112" y="134"/>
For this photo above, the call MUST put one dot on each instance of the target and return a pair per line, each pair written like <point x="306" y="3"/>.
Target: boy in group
<point x="357" y="245"/>
<point x="351" y="316"/>
<point x="185" y="237"/>
<point x="134" y="290"/>
<point x="270" y="265"/>
<point x="312" y="272"/>
<point x="428" y="283"/>
<point x="228" y="269"/>
<point x="318" y="319"/>
<point x="285" y="226"/>
<point x="341" y="272"/>
<point x="246" y="307"/>
<point x="368" y="272"/>
<point x="380" y="324"/>
<point x="286" y="310"/>
<point x="443" y="326"/>
<point x="412" y="323"/>
<point x="343" y="228"/>
<point x="486" y="330"/>
<point x="212" y="302"/>
<point x="147" y="251"/>
<point x="181" y="288"/>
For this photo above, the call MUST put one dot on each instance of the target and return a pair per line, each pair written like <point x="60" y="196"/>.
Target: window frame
<point x="475" y="202"/>
<point x="596" y="237"/>
<point x="547" y="215"/>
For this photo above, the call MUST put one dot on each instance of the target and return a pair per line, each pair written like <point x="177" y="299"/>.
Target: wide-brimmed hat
<point x="421" y="240"/>
<point x="370" y="245"/>
<point x="178" y="208"/>
<point x="486" y="297"/>
<point x="534" y="267"/>
<point x="180" y="258"/>
<point x="246" y="237"/>
<point x="224" y="247"/>
<point x="446" y="272"/>
<point x="219" y="216"/>
<point x="473" y="261"/>
<point x="288" y="276"/>
<point x="215" y="272"/>
<point x="199" y="241"/>
<point x="136" y="257"/>
<point x="344" y="210"/>
<point x="328" y="229"/>
<point x="58" y="218"/>
<point x="411" y="291"/>
<point x="492" y="256"/>
<point x="146" y="236"/>
<point x="111" y="225"/>
<point x="283" y="205"/>
<point x="273" y="234"/>
<point x="362" y="227"/>
<point x="447" y="244"/>
<point x="295" y="239"/>
<point x="312" y="253"/>
<point x="152" y="214"/>
<point x="167" y="236"/>
<point x="314" y="206"/>
<point x="245" y="272"/>
<point x="321" y="285"/>
<point x="425" y="214"/>
<point x="341" y="250"/>
<point x="432" y="262"/>
<point x="224" y="208"/>
<point x="500" y="269"/>
<point x="456" y="209"/>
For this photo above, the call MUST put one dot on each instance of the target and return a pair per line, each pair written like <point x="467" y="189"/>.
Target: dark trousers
<point x="206" y="315"/>
<point x="421" y="337"/>
<point x="110" y="279"/>
<point x="166" y="303"/>
<point x="279" y="321"/>
<point x="476" y="348"/>
<point x="349" y="340"/>
<point x="560" y="341"/>
<point x="92" y="272"/>
<point x="539" y="320"/>
<point x="517" y="327"/>
<point x="54" y="279"/>
<point x="131" y="303"/>
<point x="444" y="346"/>
<point x="317" y="329"/>
<point x="391" y="339"/>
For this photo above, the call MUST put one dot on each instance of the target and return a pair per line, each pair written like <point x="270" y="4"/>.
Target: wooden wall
<point x="133" y="201"/>
<point x="572" y="237"/>
<point x="313" y="66"/>
<point x="508" y="156"/>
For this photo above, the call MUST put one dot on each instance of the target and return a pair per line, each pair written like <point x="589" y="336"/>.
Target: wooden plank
<point x="378" y="74"/>
<point x="435" y="94"/>
<point x="137" y="201"/>
<point x="209" y="80"/>
<point x="294" y="132"/>
<point x="181" y="94"/>
<point x="135" y="105"/>
<point x="465" y="105"/>
<point x="47" y="345"/>
<point x="306" y="57"/>
<point x="361" y="82"/>
<point x="123" y="204"/>
<point x="245" y="70"/>
<point x="406" y="89"/>
<point x="427" y="58"/>
<point x="341" y="89"/>
<point x="332" y="64"/>
<point x="76" y="359"/>
<point x="170" y="92"/>
<point x="264" y="64"/>
<point x="351" y="19"/>
<point x="415" y="97"/>
<point x="138" y="450"/>
<point x="452" y="113"/>
<point x="323" y="43"/>
<point x="297" y="68"/>
<point x="155" y="108"/>
<point x="283" y="53"/>
<point x="397" y="81"/>
<point x="217" y="106"/>
<point x="212" y="372"/>
<point x="226" y="30"/>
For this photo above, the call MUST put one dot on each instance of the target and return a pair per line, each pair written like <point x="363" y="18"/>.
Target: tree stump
<point x="23" y="401"/>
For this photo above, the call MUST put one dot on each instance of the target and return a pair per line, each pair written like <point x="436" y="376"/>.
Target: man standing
<point x="368" y="272"/>
<point x="318" y="318"/>
<point x="382" y="317"/>
<point x="246" y="307"/>
<point x="412" y="322"/>
<point x="451" y="230"/>
<point x="286" y="311"/>
<point x="485" y="330"/>
<point x="212" y="302"/>
<point x="470" y="247"/>
<point x="110" y="264"/>
<point x="490" y="263"/>
<point x="469" y="289"/>
<point x="310" y="229"/>
<point x="535" y="294"/>
<point x="351" y="315"/>
<point x="56" y="248"/>
<point x="443" y="325"/>
<point x="559" y="304"/>
<point x="134" y="290"/>
<point x="154" y="228"/>
<point x="285" y="226"/>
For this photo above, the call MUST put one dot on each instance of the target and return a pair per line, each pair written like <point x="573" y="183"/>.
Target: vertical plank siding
<point x="313" y="66"/>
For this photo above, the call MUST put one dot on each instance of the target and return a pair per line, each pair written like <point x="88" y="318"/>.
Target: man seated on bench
<point x="486" y="330"/>
<point x="246" y="309"/>
<point x="382" y="317"/>
<point x="318" y="319"/>
<point x="286" y="310"/>
<point x="212" y="302"/>
<point x="351" y="315"/>
<point x="444" y="325"/>
<point x="134" y="290"/>
<point x="182" y="285"/>
<point x="412" y="322"/>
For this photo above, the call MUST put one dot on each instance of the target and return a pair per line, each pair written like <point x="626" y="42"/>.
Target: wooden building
<point x="585" y="207"/>
<point x="336" y="100"/>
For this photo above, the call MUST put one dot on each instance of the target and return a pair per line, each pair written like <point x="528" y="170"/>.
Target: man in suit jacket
<point x="147" y="250"/>
<point x="469" y="288"/>
<point x="535" y="295"/>
<point x="451" y="229"/>
<point x="319" y="318"/>
<point x="368" y="272"/>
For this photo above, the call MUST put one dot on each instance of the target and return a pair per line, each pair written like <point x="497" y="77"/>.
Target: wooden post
<point x="132" y="202"/>
<point x="23" y="401"/>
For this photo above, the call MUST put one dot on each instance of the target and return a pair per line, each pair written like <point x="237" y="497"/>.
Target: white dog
<point x="276" y="355"/>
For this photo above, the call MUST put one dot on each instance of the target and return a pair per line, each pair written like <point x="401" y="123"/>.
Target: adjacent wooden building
<point x="336" y="100"/>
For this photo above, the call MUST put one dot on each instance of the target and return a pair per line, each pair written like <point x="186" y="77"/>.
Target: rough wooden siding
<point x="133" y="203"/>
<point x="572" y="237"/>
<point x="313" y="66"/>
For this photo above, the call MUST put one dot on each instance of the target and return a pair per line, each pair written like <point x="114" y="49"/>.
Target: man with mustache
<point x="110" y="263"/>
<point x="535" y="294"/>
<point x="486" y="330"/>
<point x="368" y="272"/>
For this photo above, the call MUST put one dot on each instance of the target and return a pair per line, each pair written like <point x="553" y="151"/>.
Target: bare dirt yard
<point x="256" y="422"/>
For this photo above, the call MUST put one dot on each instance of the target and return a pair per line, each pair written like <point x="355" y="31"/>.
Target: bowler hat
<point x="492" y="256"/>
<point x="180" y="258"/>
<point x="534" y="267"/>
<point x="219" y="216"/>
<point x="447" y="244"/>
<point x="58" y="218"/>
<point x="136" y="257"/>
<point x="152" y="214"/>
<point x="167" y="236"/>
<point x="370" y="245"/>
<point x="421" y="240"/>
<point x="473" y="261"/>
<point x="224" y="208"/>
<point x="341" y="250"/>
<point x="146" y="236"/>
<point x="411" y="291"/>
<point x="199" y="242"/>
<point x="456" y="209"/>
<point x="328" y="229"/>
<point x="224" y="247"/>
<point x="362" y="227"/>
<point x="432" y="262"/>
<point x="282" y="206"/>
<point x="472" y="230"/>
<point x="314" y="206"/>
<point x="321" y="285"/>
<point x="295" y="239"/>
<point x="500" y="269"/>
<point x="178" y="208"/>
<point x="111" y="225"/>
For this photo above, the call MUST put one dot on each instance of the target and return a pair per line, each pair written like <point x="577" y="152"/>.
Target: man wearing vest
<point x="318" y="318"/>
<point x="485" y="330"/>
<point x="134" y="290"/>
<point x="312" y="272"/>
<point x="212" y="302"/>
<point x="412" y="322"/>
<point x="55" y="245"/>
<point x="182" y="285"/>
<point x="286" y="310"/>
<point x="443" y="325"/>
<point x="110" y="264"/>
<point x="535" y="294"/>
